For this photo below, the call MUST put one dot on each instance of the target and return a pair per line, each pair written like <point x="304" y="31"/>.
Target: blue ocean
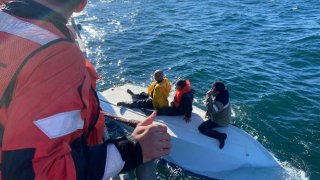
<point x="266" y="51"/>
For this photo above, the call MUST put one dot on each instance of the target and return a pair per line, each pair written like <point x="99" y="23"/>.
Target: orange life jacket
<point x="179" y="93"/>
<point x="48" y="99"/>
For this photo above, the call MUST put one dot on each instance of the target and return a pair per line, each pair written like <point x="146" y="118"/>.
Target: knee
<point x="201" y="128"/>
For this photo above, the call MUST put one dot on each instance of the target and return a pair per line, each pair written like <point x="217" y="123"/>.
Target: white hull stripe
<point x="60" y="124"/>
<point x="15" y="26"/>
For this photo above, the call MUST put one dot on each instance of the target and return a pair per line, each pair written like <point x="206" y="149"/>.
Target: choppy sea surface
<point x="266" y="51"/>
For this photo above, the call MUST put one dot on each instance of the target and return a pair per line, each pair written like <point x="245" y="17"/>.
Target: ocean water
<point x="266" y="51"/>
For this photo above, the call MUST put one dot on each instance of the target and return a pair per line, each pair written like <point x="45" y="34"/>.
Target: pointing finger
<point x="149" y="119"/>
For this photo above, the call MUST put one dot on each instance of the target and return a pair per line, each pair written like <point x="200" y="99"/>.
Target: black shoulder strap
<point x="96" y="118"/>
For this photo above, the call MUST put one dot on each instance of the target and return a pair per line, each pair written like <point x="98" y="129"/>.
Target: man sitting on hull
<point x="181" y="104"/>
<point x="156" y="96"/>
<point x="218" y="112"/>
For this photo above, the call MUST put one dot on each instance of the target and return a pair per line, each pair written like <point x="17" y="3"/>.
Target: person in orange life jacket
<point x="218" y="112"/>
<point x="182" y="102"/>
<point x="48" y="88"/>
<point x="155" y="98"/>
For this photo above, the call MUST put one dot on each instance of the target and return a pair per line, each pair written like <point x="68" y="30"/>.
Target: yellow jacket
<point x="160" y="93"/>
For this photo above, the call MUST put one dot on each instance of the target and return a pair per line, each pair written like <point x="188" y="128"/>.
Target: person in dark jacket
<point x="182" y="103"/>
<point x="218" y="112"/>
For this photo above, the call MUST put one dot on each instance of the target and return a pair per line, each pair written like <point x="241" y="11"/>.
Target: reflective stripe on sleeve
<point x="215" y="108"/>
<point x="114" y="162"/>
<point x="17" y="27"/>
<point x="226" y="106"/>
<point x="60" y="124"/>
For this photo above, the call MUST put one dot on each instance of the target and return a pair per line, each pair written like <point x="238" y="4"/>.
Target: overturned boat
<point x="242" y="157"/>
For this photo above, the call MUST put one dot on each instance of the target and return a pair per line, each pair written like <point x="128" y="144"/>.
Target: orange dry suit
<point x="51" y="125"/>
<point x="159" y="92"/>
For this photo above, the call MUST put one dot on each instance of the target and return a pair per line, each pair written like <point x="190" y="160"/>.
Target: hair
<point x="219" y="86"/>
<point x="223" y="95"/>
<point x="158" y="75"/>
<point x="181" y="83"/>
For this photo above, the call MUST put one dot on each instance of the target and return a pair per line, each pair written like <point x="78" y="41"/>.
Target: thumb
<point x="149" y="119"/>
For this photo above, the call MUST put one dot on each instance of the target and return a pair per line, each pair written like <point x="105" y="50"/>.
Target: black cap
<point x="219" y="86"/>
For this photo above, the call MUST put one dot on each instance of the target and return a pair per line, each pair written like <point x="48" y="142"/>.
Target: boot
<point x="124" y="104"/>
<point x="130" y="92"/>
<point x="222" y="138"/>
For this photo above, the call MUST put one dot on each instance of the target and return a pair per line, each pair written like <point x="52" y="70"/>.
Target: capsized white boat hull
<point x="242" y="156"/>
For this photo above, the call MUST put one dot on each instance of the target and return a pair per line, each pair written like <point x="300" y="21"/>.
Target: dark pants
<point x="140" y="96"/>
<point x="169" y="111"/>
<point x="143" y="103"/>
<point x="206" y="129"/>
<point x="141" y="100"/>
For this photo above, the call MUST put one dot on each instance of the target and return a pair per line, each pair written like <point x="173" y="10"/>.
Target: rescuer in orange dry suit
<point x="51" y="121"/>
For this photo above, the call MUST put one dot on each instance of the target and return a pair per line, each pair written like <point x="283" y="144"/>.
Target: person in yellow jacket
<point x="156" y="96"/>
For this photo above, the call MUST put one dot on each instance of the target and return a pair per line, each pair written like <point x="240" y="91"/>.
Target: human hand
<point x="210" y="92"/>
<point x="187" y="119"/>
<point x="172" y="103"/>
<point x="154" y="139"/>
<point x="206" y="115"/>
